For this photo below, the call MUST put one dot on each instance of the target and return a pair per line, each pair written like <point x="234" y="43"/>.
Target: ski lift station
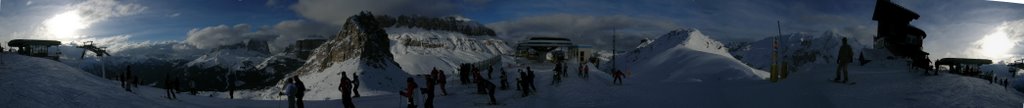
<point x="35" y="48"/>
<point x="551" y="48"/>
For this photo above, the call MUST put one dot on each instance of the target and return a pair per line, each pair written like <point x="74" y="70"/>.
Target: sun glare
<point x="64" y="25"/>
<point x="997" y="44"/>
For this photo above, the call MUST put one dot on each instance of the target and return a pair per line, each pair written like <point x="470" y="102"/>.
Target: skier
<point x="127" y="78"/>
<point x="167" y="86"/>
<point x="504" y="80"/>
<point x="490" y="72"/>
<point x="410" y="87"/>
<point x="477" y="78"/>
<point x="618" y="77"/>
<point x="490" y="91"/>
<point x="231" y="89"/>
<point x="558" y="77"/>
<point x="529" y="79"/>
<point x="464" y="73"/>
<point x="175" y="86"/>
<point x="355" y="84"/>
<point x="441" y="80"/>
<point x="346" y="90"/>
<point x="579" y="70"/>
<point x="586" y="71"/>
<point x="289" y="90"/>
<point x="845" y="57"/>
<point x="300" y="91"/>
<point x="565" y="69"/>
<point x="192" y="87"/>
<point x="429" y="91"/>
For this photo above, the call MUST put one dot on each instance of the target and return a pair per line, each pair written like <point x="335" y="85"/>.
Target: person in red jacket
<point x="410" y="88"/>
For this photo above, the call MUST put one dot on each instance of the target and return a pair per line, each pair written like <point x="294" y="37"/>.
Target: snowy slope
<point x="686" y="55"/>
<point x="37" y="83"/>
<point x="31" y="82"/>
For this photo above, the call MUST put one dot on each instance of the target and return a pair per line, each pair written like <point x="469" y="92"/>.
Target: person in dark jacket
<point x="300" y="91"/>
<point x="845" y="57"/>
<point x="504" y="80"/>
<point x="345" y="86"/>
<point x="231" y="89"/>
<point x="490" y="91"/>
<point x="127" y="78"/>
<point x="442" y="81"/>
<point x="355" y="85"/>
<point x="530" y="79"/>
<point x="429" y="91"/>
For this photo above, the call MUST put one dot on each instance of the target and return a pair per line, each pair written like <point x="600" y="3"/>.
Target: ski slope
<point x="35" y="82"/>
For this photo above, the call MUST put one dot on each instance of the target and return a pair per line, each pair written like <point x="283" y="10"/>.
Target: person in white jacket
<point x="289" y="90"/>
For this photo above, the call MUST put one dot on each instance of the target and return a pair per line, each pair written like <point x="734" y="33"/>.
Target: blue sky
<point x="955" y="27"/>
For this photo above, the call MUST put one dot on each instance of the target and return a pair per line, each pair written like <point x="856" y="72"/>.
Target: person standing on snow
<point x="167" y="86"/>
<point x="490" y="91"/>
<point x="410" y="88"/>
<point x="586" y="71"/>
<point x="231" y="89"/>
<point x="530" y="79"/>
<point x="504" y="80"/>
<point x="300" y="91"/>
<point x="477" y="78"/>
<point x="289" y="90"/>
<point x="127" y="78"/>
<point x="355" y="84"/>
<point x="615" y="77"/>
<point x="346" y="90"/>
<point x="845" y="57"/>
<point x="441" y="80"/>
<point x="429" y="91"/>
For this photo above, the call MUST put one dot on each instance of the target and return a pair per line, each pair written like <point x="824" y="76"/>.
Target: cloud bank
<point x="278" y="36"/>
<point x="586" y="29"/>
<point x="336" y="11"/>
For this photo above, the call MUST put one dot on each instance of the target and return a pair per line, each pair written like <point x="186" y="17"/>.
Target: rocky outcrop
<point x="360" y="39"/>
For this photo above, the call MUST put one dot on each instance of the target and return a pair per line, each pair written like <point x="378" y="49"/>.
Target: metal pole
<point x="613" y="50"/>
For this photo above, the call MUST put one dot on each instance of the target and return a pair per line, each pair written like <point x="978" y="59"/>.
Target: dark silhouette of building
<point x="895" y="32"/>
<point x="35" y="48"/>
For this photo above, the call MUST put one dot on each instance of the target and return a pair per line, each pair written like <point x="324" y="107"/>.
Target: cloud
<point x="587" y="29"/>
<point x="337" y="11"/>
<point x="99" y="10"/>
<point x="279" y="36"/>
<point x="30" y="21"/>
<point x="271" y="2"/>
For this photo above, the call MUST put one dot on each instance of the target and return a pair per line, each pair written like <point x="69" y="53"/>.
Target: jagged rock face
<point x="361" y="38"/>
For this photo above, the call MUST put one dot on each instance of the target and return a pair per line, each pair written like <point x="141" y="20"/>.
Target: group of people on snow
<point x="295" y="90"/>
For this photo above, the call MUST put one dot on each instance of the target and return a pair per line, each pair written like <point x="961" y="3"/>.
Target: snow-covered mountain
<point x="419" y="50"/>
<point x="383" y="56"/>
<point x="249" y="63"/>
<point x="798" y="49"/>
<point x="685" y="55"/>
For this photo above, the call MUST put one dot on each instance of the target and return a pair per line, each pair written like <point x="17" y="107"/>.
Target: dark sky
<point x="956" y="28"/>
